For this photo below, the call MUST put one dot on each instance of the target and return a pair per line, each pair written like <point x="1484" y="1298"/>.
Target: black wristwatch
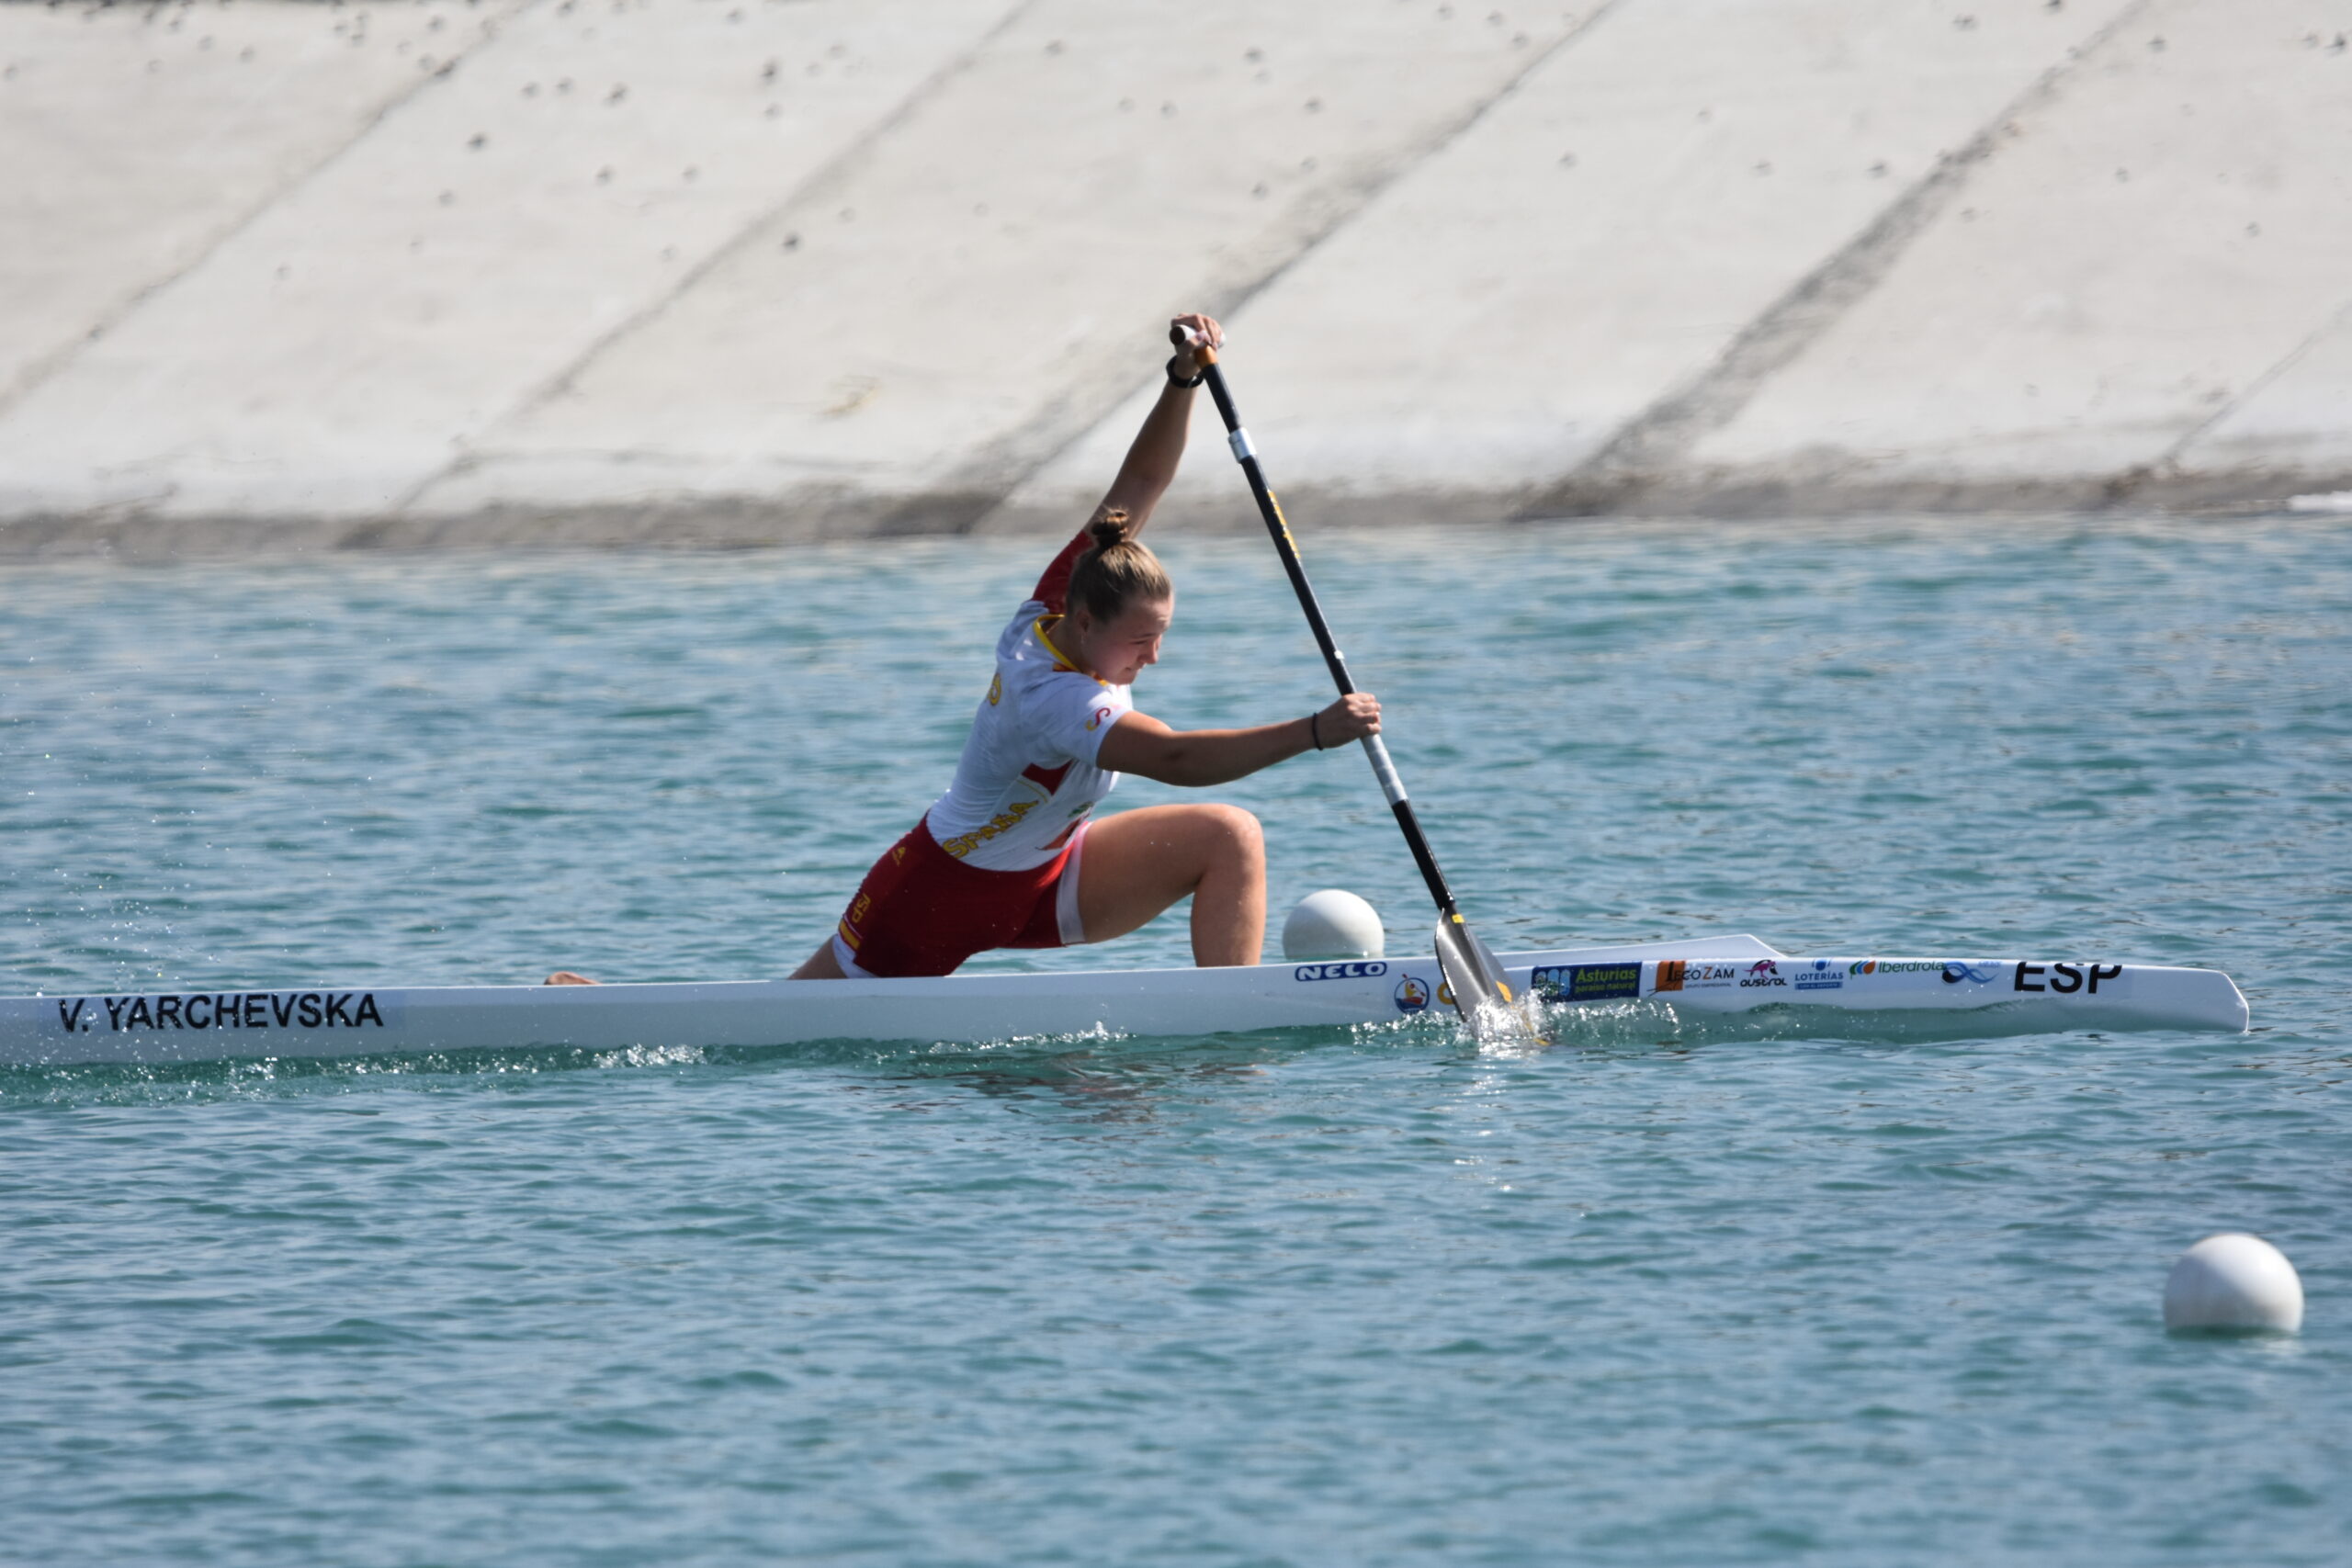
<point x="1176" y="380"/>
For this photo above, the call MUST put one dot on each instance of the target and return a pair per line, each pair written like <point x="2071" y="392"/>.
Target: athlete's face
<point x="1120" y="648"/>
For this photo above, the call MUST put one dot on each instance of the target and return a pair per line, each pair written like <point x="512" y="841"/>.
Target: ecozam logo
<point x="1337" y="971"/>
<point x="1976" y="974"/>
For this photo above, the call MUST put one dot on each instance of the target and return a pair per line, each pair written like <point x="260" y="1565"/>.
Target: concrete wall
<point x="750" y="270"/>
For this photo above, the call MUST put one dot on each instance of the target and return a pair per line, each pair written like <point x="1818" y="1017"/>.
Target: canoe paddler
<point x="1012" y="855"/>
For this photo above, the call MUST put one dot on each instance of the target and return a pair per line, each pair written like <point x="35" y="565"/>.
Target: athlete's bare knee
<point x="1239" y="835"/>
<point x="1242" y="830"/>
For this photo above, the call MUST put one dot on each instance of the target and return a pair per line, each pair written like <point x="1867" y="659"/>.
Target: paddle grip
<point x="1384" y="770"/>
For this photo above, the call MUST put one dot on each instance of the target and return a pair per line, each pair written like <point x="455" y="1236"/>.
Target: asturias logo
<point x="1955" y="972"/>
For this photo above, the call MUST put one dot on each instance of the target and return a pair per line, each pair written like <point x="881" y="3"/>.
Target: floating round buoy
<point x="2233" y="1281"/>
<point x="1333" y="923"/>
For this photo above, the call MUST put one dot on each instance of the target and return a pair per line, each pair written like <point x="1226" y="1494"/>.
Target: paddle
<point x="1481" y="994"/>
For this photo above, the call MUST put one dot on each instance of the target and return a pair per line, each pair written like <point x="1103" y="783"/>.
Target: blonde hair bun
<point x="1116" y="571"/>
<point x="1111" y="528"/>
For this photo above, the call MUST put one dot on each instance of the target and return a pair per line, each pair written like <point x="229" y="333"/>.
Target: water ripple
<point x="1805" y="1287"/>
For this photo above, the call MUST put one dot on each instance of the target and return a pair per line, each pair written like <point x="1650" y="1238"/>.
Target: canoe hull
<point x="1714" y="975"/>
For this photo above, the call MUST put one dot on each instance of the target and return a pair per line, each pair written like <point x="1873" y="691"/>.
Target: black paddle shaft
<point x="1287" y="548"/>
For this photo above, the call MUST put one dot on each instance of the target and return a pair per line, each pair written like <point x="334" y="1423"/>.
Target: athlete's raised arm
<point x="1158" y="446"/>
<point x="1139" y="743"/>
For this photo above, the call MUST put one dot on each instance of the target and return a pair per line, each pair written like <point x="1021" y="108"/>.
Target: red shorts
<point x="922" y="911"/>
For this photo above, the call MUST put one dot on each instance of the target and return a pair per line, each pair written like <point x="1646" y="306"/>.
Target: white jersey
<point x="1027" y="779"/>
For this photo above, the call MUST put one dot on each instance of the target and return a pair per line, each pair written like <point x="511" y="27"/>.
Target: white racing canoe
<point x="1710" y="975"/>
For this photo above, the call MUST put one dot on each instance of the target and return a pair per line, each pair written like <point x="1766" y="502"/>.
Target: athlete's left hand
<point x="1353" y="718"/>
<point x="1190" y="333"/>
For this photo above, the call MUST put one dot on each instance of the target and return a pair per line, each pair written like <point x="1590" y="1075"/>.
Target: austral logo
<point x="224" y="1010"/>
<point x="1337" y="971"/>
<point x="1764" y="972"/>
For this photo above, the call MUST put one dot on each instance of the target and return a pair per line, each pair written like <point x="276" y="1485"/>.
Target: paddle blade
<point x="1494" y="1013"/>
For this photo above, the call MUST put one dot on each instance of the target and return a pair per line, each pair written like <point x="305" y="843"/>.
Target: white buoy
<point x="1333" y="923"/>
<point x="2233" y="1281"/>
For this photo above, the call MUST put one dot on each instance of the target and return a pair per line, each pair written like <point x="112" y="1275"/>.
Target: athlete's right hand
<point x="1353" y="718"/>
<point x="1191" y="332"/>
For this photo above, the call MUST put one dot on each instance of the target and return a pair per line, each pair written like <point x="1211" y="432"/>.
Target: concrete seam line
<point x="1669" y="429"/>
<point x="41" y="368"/>
<point x="2127" y="484"/>
<point x="743" y="238"/>
<point x="987" y="487"/>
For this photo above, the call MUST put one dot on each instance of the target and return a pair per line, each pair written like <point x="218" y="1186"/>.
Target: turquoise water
<point x="1765" y="1294"/>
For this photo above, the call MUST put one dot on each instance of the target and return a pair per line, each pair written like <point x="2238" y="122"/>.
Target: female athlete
<point x="1011" y="856"/>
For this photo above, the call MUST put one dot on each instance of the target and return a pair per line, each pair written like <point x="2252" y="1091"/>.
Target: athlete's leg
<point x="1139" y="863"/>
<point x="821" y="965"/>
